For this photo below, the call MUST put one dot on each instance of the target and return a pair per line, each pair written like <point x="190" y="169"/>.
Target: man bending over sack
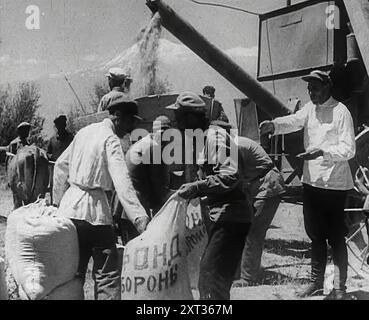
<point x="89" y="167"/>
<point x="150" y="179"/>
<point x="264" y="185"/>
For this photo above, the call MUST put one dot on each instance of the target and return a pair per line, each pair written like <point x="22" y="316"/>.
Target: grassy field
<point x="286" y="258"/>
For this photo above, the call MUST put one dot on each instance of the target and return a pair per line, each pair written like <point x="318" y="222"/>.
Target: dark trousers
<point x="324" y="219"/>
<point x="264" y="212"/>
<point x="221" y="258"/>
<point x="98" y="242"/>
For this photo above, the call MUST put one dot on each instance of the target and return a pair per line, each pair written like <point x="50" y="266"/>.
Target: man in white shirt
<point x="329" y="141"/>
<point x="91" y="165"/>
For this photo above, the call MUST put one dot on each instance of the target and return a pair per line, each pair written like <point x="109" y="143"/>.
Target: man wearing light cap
<point x="118" y="82"/>
<point x="329" y="142"/>
<point x="91" y="166"/>
<point x="23" y="130"/>
<point x="229" y="210"/>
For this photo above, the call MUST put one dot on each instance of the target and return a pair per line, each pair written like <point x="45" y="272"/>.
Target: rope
<point x="224" y="6"/>
<point x="35" y="158"/>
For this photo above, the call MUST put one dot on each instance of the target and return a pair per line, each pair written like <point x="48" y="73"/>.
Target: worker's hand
<point x="188" y="190"/>
<point x="141" y="223"/>
<point x="310" y="155"/>
<point x="193" y="214"/>
<point x="266" y="127"/>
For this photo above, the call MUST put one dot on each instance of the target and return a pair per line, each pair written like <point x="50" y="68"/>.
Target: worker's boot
<point x="340" y="260"/>
<point x="318" y="263"/>
<point x="336" y="294"/>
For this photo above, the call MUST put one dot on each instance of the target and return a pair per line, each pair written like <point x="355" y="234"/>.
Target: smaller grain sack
<point x="155" y="263"/>
<point x="41" y="248"/>
<point x="72" y="290"/>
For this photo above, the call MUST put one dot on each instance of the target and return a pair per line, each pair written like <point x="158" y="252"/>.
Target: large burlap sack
<point x="196" y="239"/>
<point x="3" y="286"/>
<point x="155" y="263"/>
<point x="72" y="290"/>
<point x="41" y="248"/>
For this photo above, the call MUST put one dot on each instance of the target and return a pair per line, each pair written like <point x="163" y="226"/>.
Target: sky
<point x="77" y="34"/>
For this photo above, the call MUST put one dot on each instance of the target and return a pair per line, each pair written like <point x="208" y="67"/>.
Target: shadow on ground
<point x="269" y="277"/>
<point x="358" y="295"/>
<point x="293" y="248"/>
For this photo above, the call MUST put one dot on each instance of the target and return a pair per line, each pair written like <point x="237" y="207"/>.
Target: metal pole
<point x="75" y="94"/>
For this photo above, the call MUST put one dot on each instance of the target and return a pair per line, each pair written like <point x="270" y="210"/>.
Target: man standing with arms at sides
<point x="23" y="130"/>
<point x="57" y="144"/>
<point x="91" y="165"/>
<point x="329" y="142"/>
<point x="229" y="211"/>
<point x="61" y="140"/>
<point x="215" y="112"/>
<point x="119" y="83"/>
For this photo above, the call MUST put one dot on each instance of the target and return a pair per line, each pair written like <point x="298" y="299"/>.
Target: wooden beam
<point x="358" y="12"/>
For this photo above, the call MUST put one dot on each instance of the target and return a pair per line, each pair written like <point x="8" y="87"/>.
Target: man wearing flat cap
<point x="228" y="210"/>
<point x="329" y="142"/>
<point x="118" y="82"/>
<point x="91" y="166"/>
<point x="23" y="130"/>
<point x="61" y="140"/>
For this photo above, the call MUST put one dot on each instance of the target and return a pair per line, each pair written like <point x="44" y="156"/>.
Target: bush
<point x="17" y="105"/>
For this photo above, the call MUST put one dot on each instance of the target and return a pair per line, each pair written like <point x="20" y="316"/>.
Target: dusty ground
<point x="285" y="260"/>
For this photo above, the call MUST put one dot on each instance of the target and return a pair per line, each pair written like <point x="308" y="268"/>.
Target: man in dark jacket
<point x="229" y="211"/>
<point x="150" y="179"/>
<point x="264" y="185"/>
<point x="61" y="140"/>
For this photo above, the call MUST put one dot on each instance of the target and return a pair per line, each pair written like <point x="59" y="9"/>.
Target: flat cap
<point x="190" y="102"/>
<point x="317" y="75"/>
<point x="122" y="102"/>
<point x="23" y="124"/>
<point x="117" y="74"/>
<point x="161" y="123"/>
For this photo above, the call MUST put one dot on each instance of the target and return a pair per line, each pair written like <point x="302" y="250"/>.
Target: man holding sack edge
<point x="91" y="165"/>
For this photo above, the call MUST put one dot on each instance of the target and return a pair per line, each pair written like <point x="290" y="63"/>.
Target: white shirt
<point x="92" y="163"/>
<point x="328" y="127"/>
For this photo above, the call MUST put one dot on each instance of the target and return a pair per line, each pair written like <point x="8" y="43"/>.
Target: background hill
<point x="176" y="64"/>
